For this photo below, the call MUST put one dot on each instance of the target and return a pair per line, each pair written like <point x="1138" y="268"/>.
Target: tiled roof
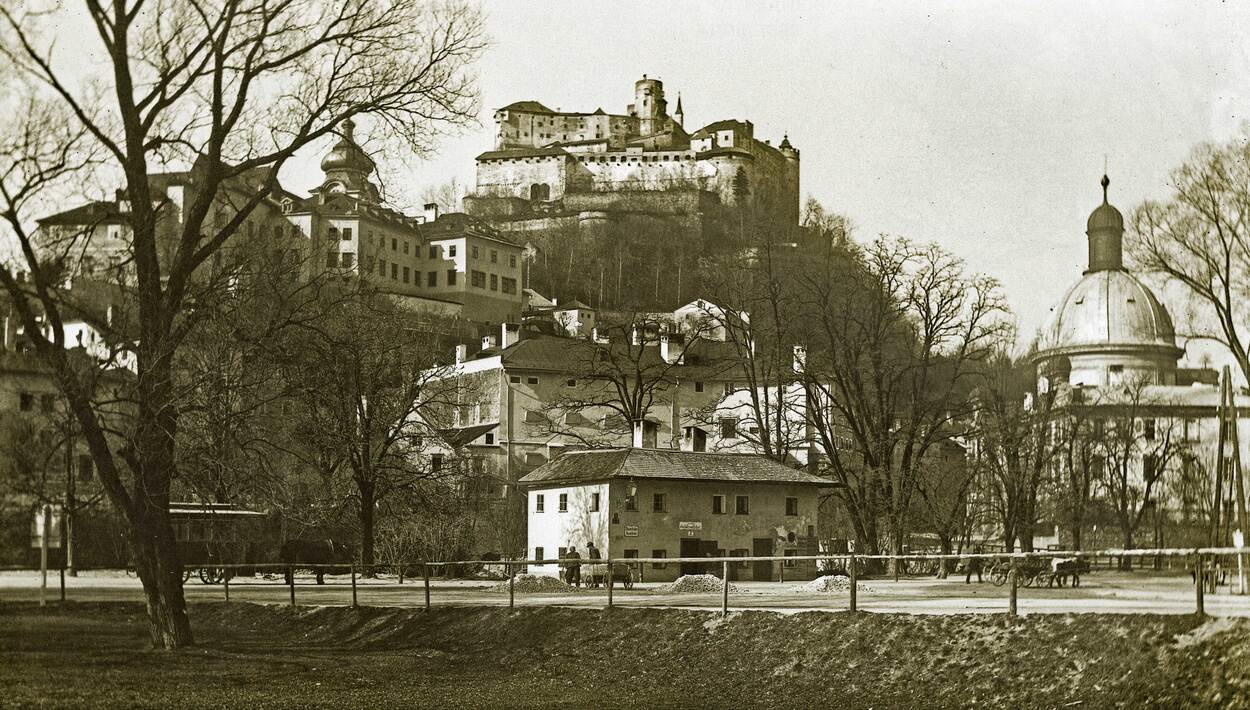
<point x="521" y="153"/>
<point x="602" y="464"/>
<point x="707" y="359"/>
<point x="466" y="435"/>
<point x="528" y="106"/>
<point x="88" y="214"/>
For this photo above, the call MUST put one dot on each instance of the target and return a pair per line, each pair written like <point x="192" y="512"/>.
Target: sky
<point x="982" y="126"/>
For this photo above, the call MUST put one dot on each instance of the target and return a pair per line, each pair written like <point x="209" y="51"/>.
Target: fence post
<point x="425" y="572"/>
<point x="353" y="585"/>
<point x="511" y="587"/>
<point x="854" y="587"/>
<point x="609" y="585"/>
<point x="1012" y="580"/>
<point x="724" y="591"/>
<point x="782" y="576"/>
<point x="292" y="584"/>
<point x="226" y="582"/>
<point x="62" y="581"/>
<point x="1199" y="583"/>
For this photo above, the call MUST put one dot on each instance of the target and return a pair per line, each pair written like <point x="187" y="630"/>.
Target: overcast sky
<point x="980" y="125"/>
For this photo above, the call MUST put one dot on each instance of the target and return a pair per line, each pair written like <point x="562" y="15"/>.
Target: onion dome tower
<point x="1109" y="326"/>
<point x="347" y="169"/>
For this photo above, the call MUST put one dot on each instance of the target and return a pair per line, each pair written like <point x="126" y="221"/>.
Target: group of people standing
<point x="571" y="565"/>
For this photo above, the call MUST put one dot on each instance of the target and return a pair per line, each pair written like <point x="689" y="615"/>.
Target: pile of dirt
<point x="534" y="583"/>
<point x="695" y="583"/>
<point x="831" y="583"/>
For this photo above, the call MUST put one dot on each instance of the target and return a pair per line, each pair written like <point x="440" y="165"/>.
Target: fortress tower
<point x="649" y="107"/>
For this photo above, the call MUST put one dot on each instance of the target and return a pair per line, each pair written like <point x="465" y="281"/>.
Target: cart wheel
<point x="1027" y="580"/>
<point x="999" y="578"/>
<point x="211" y="575"/>
<point x="186" y="574"/>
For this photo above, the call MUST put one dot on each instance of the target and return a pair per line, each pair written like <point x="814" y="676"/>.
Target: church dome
<point x="346" y="155"/>
<point x="1105" y="216"/>
<point x="1108" y="310"/>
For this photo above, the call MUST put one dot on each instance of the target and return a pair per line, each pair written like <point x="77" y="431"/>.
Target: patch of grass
<point x="273" y="656"/>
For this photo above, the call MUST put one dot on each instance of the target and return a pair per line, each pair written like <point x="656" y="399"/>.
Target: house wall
<point x="687" y="502"/>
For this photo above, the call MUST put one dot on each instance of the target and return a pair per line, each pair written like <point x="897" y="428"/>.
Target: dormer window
<point x="288" y="206"/>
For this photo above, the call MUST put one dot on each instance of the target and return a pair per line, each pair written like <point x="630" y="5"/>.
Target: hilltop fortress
<point x="553" y="169"/>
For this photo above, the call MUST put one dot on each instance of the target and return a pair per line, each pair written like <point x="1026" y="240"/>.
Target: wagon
<point x="210" y="535"/>
<point x="596" y="575"/>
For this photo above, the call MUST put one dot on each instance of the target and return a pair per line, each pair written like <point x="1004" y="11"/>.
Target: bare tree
<point x="233" y="89"/>
<point x="898" y="332"/>
<point x="1200" y="237"/>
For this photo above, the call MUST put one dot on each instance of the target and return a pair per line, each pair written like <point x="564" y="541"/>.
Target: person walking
<point x="592" y="552"/>
<point x="975" y="564"/>
<point x="575" y="566"/>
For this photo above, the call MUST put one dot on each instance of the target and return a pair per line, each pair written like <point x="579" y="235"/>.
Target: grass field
<point x="271" y="656"/>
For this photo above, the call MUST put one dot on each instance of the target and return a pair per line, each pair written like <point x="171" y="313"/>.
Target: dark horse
<point x="313" y="552"/>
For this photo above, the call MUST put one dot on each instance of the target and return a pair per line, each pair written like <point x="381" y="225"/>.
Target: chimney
<point x="509" y="334"/>
<point x="638" y="426"/>
<point x="800" y="358"/>
<point x="462" y="353"/>
<point x="598" y="337"/>
<point x="670" y="347"/>
<point x="489" y="341"/>
<point x="431" y="212"/>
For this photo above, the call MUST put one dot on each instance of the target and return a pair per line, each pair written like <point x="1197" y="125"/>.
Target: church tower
<point x="347" y="169"/>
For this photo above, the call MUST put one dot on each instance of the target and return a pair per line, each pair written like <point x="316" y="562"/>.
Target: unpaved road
<point x="1101" y="592"/>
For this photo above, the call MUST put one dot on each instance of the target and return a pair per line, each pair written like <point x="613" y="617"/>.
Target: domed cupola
<point x="1109" y="324"/>
<point x="1105" y="230"/>
<point x="347" y="168"/>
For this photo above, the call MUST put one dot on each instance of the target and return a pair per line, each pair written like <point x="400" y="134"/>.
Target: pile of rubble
<point x="830" y="583"/>
<point x="695" y="583"/>
<point x="530" y="583"/>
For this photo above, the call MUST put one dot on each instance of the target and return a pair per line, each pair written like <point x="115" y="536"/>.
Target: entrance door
<point x="762" y="547"/>
<point x="691" y="547"/>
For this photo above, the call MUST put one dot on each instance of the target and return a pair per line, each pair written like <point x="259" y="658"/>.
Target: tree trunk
<point x="368" y="502"/>
<point x="1076" y="536"/>
<point x="160" y="570"/>
<point x="1126" y="562"/>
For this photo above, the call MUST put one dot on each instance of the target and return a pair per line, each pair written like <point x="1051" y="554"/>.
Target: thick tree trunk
<point x="1126" y="562"/>
<point x="160" y="570"/>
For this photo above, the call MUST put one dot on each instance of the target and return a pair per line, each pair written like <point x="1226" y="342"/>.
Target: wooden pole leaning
<point x="425" y="572"/>
<point x="354" y="586"/>
<point x="724" y="589"/>
<point x="851" y="573"/>
<point x="1014" y="592"/>
<point x="609" y="585"/>
<point x="1199" y="585"/>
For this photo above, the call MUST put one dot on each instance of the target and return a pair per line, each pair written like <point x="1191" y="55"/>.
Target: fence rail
<point x="1201" y="560"/>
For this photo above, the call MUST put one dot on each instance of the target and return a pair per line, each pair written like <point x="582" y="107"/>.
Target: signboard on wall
<point x="631" y="531"/>
<point x="690" y="528"/>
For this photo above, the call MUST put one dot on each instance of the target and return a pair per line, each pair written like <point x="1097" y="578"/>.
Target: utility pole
<point x="70" y="503"/>
<point x="1235" y="441"/>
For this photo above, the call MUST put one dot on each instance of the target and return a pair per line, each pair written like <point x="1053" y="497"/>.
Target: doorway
<point x="762" y="547"/>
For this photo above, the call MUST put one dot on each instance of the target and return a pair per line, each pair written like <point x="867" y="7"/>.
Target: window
<point x="728" y="428"/>
<point x="473" y="252"/>
<point x="405" y="246"/>
<point x="570" y="383"/>
<point x="26" y="401"/>
<point x="507" y="285"/>
<point x="539" y="502"/>
<point x="789" y="553"/>
<point x="660" y="554"/>
<point x="382" y="267"/>
<point x="698" y="386"/>
<point x="47" y="402"/>
<point x="436" y="462"/>
<point x="349" y="258"/>
<point x="531" y="380"/>
<point x="594" y="502"/>
<point x="394" y="271"/>
<point x="658" y="503"/>
<point x="718" y="504"/>
<point x="512" y="260"/>
<point x="538" y="553"/>
<point x="407" y="274"/>
<point x="490" y="440"/>
<point x="564" y="502"/>
<point x="532" y="417"/>
<point x="332" y="259"/>
<point x="494" y="282"/>
<point x="433" y="251"/>
<point x="631" y="504"/>
<point x="333" y="233"/>
<point x="347" y="234"/>
<point x="1148" y="427"/>
<point x="494" y="256"/>
<point x="741" y="552"/>
<point x="478" y="279"/>
<point x="451" y="250"/>
<point x="451" y="277"/>
<point x="394" y="244"/>
<point x="431" y="279"/>
<point x="533" y="458"/>
<point x="514" y="379"/>
<point x="792" y="506"/>
<point x="742" y="505"/>
<point x="1115" y="369"/>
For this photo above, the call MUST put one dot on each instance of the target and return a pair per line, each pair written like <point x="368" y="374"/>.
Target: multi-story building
<point x="552" y="169"/>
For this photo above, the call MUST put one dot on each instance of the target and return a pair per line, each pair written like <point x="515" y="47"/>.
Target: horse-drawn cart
<point x="596" y="575"/>
<point x="211" y="535"/>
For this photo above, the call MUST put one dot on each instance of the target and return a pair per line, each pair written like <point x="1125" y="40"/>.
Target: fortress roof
<point x="527" y="106"/>
<point x="521" y="153"/>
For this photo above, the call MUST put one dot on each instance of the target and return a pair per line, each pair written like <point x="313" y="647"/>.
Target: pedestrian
<point x="975" y="564"/>
<point x="575" y="566"/>
<point x="592" y="552"/>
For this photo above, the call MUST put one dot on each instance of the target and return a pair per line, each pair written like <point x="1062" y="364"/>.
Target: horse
<point x="1063" y="567"/>
<point x="313" y="552"/>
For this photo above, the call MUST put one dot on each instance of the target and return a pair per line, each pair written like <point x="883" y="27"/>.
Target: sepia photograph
<point x="631" y="354"/>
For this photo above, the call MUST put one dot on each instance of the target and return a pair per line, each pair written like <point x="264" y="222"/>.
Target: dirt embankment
<point x="672" y="658"/>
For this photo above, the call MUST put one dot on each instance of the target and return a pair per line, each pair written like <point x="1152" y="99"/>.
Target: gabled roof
<point x="604" y="464"/>
<point x="527" y="106"/>
<point x="522" y="153"/>
<point x="461" y="436"/>
<point x="89" y="214"/>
